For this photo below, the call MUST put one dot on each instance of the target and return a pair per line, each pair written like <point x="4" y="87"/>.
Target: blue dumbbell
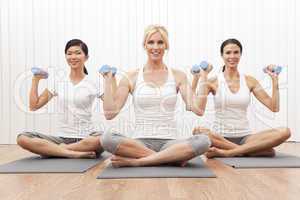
<point x="277" y="69"/>
<point x="113" y="70"/>
<point x="196" y="68"/>
<point x="106" y="68"/>
<point x="39" y="71"/>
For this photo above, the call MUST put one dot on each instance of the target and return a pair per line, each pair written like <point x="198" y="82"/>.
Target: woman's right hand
<point x="38" y="77"/>
<point x="107" y="75"/>
<point x="206" y="72"/>
<point x="203" y="73"/>
<point x="107" y="71"/>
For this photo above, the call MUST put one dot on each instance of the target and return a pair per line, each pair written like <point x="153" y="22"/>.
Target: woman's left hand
<point x="273" y="75"/>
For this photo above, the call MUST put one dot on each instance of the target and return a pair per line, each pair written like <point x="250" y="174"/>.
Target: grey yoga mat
<point x="281" y="160"/>
<point x="195" y="168"/>
<point x="37" y="164"/>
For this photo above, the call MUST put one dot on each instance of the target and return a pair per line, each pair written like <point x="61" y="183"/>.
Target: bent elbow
<point x="109" y="115"/>
<point x="275" y="109"/>
<point x="32" y="108"/>
<point x="200" y="112"/>
<point x="188" y="108"/>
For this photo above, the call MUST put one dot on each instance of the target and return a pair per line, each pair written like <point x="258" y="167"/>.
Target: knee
<point x="23" y="141"/>
<point x="107" y="142"/>
<point x="285" y="133"/>
<point x="201" y="143"/>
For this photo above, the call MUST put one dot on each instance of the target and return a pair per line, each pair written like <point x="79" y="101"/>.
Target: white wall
<point x="34" y="32"/>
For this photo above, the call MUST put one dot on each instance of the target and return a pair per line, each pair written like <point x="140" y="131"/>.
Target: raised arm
<point x="201" y="82"/>
<point x="113" y="86"/>
<point x="113" y="102"/>
<point x="270" y="102"/>
<point x="36" y="101"/>
<point x="193" y="102"/>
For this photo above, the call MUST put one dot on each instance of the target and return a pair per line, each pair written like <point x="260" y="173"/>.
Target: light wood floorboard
<point x="230" y="183"/>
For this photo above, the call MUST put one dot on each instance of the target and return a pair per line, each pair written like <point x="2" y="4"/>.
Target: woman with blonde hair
<point x="154" y="88"/>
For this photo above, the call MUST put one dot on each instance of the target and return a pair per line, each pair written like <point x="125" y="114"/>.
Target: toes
<point x="114" y="164"/>
<point x="92" y="155"/>
<point x="115" y="158"/>
<point x="212" y="149"/>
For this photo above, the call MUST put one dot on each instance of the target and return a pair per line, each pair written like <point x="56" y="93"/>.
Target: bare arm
<point x="114" y="101"/>
<point x="204" y="89"/>
<point x="113" y="86"/>
<point x="193" y="103"/>
<point x="270" y="102"/>
<point x="36" y="101"/>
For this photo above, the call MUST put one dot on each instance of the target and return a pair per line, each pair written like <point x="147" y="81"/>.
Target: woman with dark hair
<point x="75" y="135"/>
<point x="230" y="133"/>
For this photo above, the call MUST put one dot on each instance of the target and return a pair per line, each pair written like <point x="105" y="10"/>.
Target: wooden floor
<point x="230" y="183"/>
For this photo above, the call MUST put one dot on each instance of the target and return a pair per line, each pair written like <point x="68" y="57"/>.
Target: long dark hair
<point x="82" y="45"/>
<point x="230" y="41"/>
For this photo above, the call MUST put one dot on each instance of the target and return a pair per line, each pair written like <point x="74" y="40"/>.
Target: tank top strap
<point x="243" y="82"/>
<point x="221" y="79"/>
<point x="140" y="77"/>
<point x="170" y="74"/>
<point x="221" y="90"/>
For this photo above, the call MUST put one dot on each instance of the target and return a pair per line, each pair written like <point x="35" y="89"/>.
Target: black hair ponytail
<point x="85" y="70"/>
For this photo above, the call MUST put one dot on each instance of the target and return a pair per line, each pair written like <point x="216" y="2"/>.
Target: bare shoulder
<point x="131" y="74"/>
<point x="251" y="81"/>
<point x="179" y="75"/>
<point x="130" y="77"/>
<point x="212" y="84"/>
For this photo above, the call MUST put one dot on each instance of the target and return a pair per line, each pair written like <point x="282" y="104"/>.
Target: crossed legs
<point x="130" y="152"/>
<point x="85" y="148"/>
<point x="258" y="144"/>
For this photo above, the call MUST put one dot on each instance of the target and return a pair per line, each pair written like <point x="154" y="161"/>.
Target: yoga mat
<point x="37" y="164"/>
<point x="195" y="168"/>
<point x="281" y="160"/>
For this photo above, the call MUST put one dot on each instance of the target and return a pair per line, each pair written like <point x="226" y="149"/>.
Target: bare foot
<point x="215" y="152"/>
<point x="118" y="161"/>
<point x="183" y="163"/>
<point x="266" y="153"/>
<point x="179" y="163"/>
<point x="88" y="154"/>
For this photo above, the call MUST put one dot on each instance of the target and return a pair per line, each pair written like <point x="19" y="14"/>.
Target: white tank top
<point x="155" y="108"/>
<point x="231" y="109"/>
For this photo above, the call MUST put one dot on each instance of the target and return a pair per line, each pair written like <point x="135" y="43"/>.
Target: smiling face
<point x="231" y="55"/>
<point x="155" y="46"/>
<point x="75" y="57"/>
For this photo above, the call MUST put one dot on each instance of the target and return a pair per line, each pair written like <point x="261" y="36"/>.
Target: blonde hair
<point x="153" y="29"/>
